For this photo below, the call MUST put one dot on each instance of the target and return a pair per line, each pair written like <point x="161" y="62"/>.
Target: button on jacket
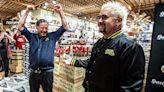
<point x="115" y="65"/>
<point x="41" y="53"/>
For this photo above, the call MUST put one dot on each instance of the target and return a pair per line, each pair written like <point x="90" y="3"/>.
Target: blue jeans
<point x="45" y="79"/>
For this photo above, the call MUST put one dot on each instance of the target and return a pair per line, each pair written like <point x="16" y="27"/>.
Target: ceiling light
<point x="44" y="7"/>
<point x="54" y="2"/>
<point x="46" y="4"/>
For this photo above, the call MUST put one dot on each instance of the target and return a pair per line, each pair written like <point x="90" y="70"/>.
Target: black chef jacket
<point x="116" y="65"/>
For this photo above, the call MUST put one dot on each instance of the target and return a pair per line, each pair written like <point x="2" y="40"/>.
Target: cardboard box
<point x="14" y="66"/>
<point x="65" y="86"/>
<point x="16" y="69"/>
<point x="17" y="62"/>
<point x="55" y="88"/>
<point x="2" y="74"/>
<point x="17" y="54"/>
<point x="56" y="69"/>
<point x="17" y="57"/>
<point x="56" y="81"/>
<point x="71" y="72"/>
<point x="56" y="60"/>
<point x="17" y="51"/>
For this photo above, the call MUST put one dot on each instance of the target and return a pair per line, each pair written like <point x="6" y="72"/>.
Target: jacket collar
<point x="114" y="35"/>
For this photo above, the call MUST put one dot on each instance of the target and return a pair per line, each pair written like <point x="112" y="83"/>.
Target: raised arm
<point x="23" y="18"/>
<point x="59" y="9"/>
<point x="9" y="37"/>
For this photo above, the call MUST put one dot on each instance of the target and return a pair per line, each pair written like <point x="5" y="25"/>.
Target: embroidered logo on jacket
<point x="109" y="52"/>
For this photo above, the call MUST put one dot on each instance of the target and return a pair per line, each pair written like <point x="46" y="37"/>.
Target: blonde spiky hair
<point x="117" y="9"/>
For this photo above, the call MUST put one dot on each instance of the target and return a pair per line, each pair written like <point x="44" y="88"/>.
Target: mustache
<point x="102" y="29"/>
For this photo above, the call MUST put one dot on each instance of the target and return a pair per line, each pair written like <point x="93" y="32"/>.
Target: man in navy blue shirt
<point x="42" y="45"/>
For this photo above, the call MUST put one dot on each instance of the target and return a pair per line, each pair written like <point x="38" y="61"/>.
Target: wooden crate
<point x="2" y="74"/>
<point x="66" y="86"/>
<point x="71" y="72"/>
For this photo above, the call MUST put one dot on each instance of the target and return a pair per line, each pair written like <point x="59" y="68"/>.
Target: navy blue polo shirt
<point x="41" y="54"/>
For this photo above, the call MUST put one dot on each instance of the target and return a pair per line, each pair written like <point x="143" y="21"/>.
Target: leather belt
<point x="38" y="71"/>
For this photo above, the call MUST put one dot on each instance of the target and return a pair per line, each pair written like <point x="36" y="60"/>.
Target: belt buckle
<point x="37" y="71"/>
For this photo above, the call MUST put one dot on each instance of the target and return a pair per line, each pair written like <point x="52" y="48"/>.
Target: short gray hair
<point x="41" y="21"/>
<point x="117" y="9"/>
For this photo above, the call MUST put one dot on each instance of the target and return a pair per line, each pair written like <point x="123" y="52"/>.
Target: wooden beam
<point x="126" y="4"/>
<point x="19" y="3"/>
<point x="145" y="7"/>
<point x="7" y="15"/>
<point x="8" y="10"/>
<point x="131" y="3"/>
<point x="3" y="3"/>
<point x="27" y="3"/>
<point x="39" y="2"/>
<point x="96" y="3"/>
<point x="90" y="14"/>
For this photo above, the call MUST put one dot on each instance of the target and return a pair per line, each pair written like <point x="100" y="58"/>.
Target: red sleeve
<point x="15" y="36"/>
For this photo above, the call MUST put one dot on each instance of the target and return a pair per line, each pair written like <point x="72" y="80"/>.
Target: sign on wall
<point x="10" y="22"/>
<point x="155" y="76"/>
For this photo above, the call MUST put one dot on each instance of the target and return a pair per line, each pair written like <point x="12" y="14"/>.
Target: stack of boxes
<point x="56" y="74"/>
<point x="16" y="64"/>
<point x="68" y="78"/>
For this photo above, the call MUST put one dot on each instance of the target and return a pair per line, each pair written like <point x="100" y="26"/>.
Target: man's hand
<point x="67" y="59"/>
<point x="30" y="7"/>
<point x="57" y="8"/>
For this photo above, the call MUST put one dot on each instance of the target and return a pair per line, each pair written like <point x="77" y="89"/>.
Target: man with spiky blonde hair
<point x="117" y="10"/>
<point x="117" y="62"/>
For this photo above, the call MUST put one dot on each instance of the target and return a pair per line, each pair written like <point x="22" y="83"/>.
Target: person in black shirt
<point x="117" y="62"/>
